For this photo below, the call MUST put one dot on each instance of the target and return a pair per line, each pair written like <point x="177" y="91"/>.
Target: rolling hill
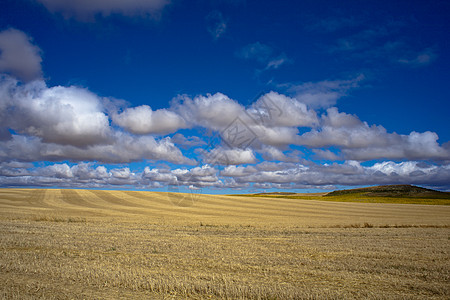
<point x="400" y="194"/>
<point x="397" y="191"/>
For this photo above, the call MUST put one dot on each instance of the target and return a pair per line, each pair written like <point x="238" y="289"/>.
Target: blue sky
<point x="224" y="96"/>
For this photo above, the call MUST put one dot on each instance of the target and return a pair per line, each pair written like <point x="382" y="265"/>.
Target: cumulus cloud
<point x="159" y="175"/>
<point x="143" y="120"/>
<point x="62" y="115"/>
<point x="71" y="123"/>
<point x="274" y="109"/>
<point x="360" y="141"/>
<point x="204" y="176"/>
<point x="273" y="119"/>
<point x="123" y="149"/>
<point x="18" y="56"/>
<point x="271" y="153"/>
<point x="350" y="173"/>
<point x="236" y="156"/>
<point x="87" y="9"/>
<point x="211" y="111"/>
<point x="264" y="175"/>
<point x="39" y="123"/>
<point x="416" y="145"/>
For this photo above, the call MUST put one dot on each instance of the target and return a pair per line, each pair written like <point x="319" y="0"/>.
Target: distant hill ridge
<point x="393" y="191"/>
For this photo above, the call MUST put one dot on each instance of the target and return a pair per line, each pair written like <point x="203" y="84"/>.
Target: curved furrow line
<point x="192" y="211"/>
<point x="230" y="208"/>
<point x="37" y="198"/>
<point x="110" y="198"/>
<point x="202" y="202"/>
<point x="240" y="204"/>
<point x="114" y="205"/>
<point x="304" y="208"/>
<point x="10" y="198"/>
<point x="72" y="198"/>
<point x="348" y="207"/>
<point x="149" y="199"/>
<point x="85" y="200"/>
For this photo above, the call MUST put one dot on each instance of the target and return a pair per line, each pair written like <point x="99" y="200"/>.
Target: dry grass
<point x="67" y="244"/>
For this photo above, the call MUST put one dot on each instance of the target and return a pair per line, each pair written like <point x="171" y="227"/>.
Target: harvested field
<point x="78" y="244"/>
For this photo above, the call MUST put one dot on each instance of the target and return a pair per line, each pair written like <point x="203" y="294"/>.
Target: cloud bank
<point x="264" y="175"/>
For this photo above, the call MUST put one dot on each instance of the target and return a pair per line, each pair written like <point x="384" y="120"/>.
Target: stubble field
<point x="86" y="244"/>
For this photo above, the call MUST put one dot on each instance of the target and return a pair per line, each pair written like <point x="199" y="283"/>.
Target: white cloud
<point x="323" y="94"/>
<point x="123" y="149"/>
<point x="360" y="141"/>
<point x="58" y="171"/>
<point x="159" y="175"/>
<point x="271" y="153"/>
<point x="274" y="109"/>
<point x="85" y="172"/>
<point x="238" y="171"/>
<point x="349" y="173"/>
<point x="87" y="9"/>
<point x="123" y="173"/>
<point x="236" y="156"/>
<point x="70" y="123"/>
<point x="273" y="119"/>
<point x="40" y="123"/>
<point x="416" y="146"/>
<point x="62" y="115"/>
<point x="198" y="177"/>
<point x="142" y="120"/>
<point x="261" y="176"/>
<point x="18" y="56"/>
<point x="276" y="136"/>
<point x="211" y="111"/>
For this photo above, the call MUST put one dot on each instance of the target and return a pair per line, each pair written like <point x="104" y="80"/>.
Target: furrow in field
<point x="219" y="208"/>
<point x="53" y="199"/>
<point x="193" y="211"/>
<point x="73" y="199"/>
<point x="237" y="207"/>
<point x="207" y="206"/>
<point x="373" y="209"/>
<point x="203" y="203"/>
<point x="26" y="199"/>
<point x="394" y="213"/>
<point x="36" y="198"/>
<point x="111" y="198"/>
<point x="120" y="207"/>
<point x="295" y="208"/>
